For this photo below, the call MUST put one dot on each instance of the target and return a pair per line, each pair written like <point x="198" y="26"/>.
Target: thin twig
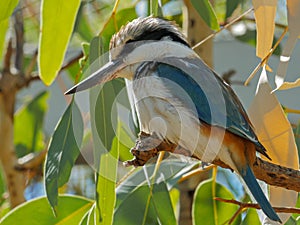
<point x="223" y="28"/>
<point x="195" y="172"/>
<point x="112" y="15"/>
<point x="256" y="206"/>
<point x="266" y="58"/>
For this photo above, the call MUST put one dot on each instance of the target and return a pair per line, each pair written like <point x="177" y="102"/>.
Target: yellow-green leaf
<point x="37" y="212"/>
<point x="265" y="12"/>
<point x="57" y="22"/>
<point x="7" y="7"/>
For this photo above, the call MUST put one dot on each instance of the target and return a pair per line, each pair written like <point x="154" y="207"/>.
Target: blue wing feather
<point x="236" y="118"/>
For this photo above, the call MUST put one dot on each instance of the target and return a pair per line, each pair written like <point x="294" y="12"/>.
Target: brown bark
<point x="147" y="146"/>
<point x="15" y="181"/>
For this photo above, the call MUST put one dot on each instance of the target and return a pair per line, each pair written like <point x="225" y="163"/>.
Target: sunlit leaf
<point x="251" y="218"/>
<point x="265" y="12"/>
<point x="38" y="212"/>
<point x="7" y="8"/>
<point x="57" y="21"/>
<point x="277" y="138"/>
<point x="203" y="205"/>
<point x="207" y="13"/>
<point x="63" y="151"/>
<point x="28" y="126"/>
<point x="289" y="85"/>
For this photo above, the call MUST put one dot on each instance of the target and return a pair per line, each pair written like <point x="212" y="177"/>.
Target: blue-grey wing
<point x="215" y="101"/>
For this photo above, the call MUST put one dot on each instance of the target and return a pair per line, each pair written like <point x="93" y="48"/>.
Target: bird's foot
<point x="146" y="147"/>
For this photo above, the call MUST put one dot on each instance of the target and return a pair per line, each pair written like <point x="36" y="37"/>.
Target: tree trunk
<point x="15" y="180"/>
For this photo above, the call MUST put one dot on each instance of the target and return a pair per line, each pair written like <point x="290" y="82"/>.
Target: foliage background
<point x="65" y="51"/>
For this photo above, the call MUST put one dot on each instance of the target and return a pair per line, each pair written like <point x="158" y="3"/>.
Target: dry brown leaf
<point x="293" y="8"/>
<point x="265" y="12"/>
<point x="289" y="85"/>
<point x="275" y="133"/>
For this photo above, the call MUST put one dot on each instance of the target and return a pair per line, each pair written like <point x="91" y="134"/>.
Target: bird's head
<point x="125" y="54"/>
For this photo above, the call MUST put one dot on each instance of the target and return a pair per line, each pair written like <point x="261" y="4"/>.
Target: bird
<point x="180" y="99"/>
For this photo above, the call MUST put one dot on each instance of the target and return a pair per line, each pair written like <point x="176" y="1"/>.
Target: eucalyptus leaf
<point x="37" y="212"/>
<point x="205" y="10"/>
<point x="63" y="151"/>
<point x="57" y="22"/>
<point x="7" y="8"/>
<point x="213" y="212"/>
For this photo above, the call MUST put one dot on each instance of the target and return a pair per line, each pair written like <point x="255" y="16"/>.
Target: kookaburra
<point x="179" y="98"/>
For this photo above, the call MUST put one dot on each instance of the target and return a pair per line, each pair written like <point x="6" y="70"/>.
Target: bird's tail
<point x="258" y="194"/>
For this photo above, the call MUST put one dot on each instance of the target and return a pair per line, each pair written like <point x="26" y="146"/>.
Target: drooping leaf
<point x="63" y="151"/>
<point x="265" y="12"/>
<point x="7" y="8"/>
<point x="57" y="22"/>
<point x="38" y="212"/>
<point x="277" y="138"/>
<point x="213" y="212"/>
<point x="205" y="10"/>
<point x="28" y="126"/>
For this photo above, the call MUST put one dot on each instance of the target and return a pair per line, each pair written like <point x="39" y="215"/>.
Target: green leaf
<point x="37" y="212"/>
<point x="7" y="8"/>
<point x="31" y="117"/>
<point x="171" y="169"/>
<point x="57" y="22"/>
<point x="251" y="218"/>
<point x="231" y="5"/>
<point x="144" y="206"/>
<point x="63" y="151"/>
<point x="122" y="17"/>
<point x="205" y="10"/>
<point x="213" y="212"/>
<point x="163" y="204"/>
<point x="106" y="185"/>
<point x="3" y="29"/>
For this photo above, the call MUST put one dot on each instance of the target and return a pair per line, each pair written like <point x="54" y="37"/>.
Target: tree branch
<point x="19" y="29"/>
<point x="148" y="146"/>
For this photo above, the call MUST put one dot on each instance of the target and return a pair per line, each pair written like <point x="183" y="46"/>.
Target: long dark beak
<point x="106" y="73"/>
